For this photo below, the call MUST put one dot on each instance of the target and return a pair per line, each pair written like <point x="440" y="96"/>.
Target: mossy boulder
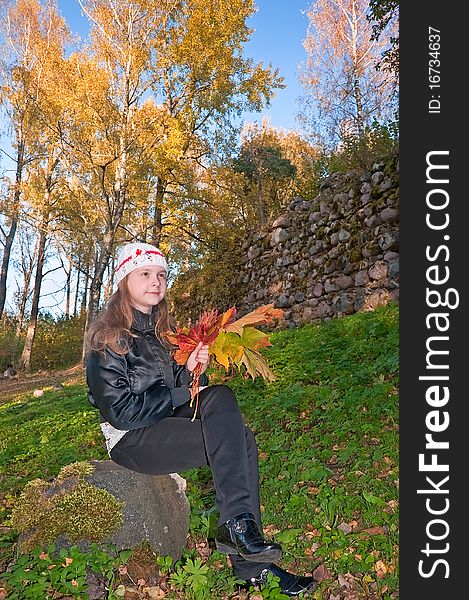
<point x="100" y="501"/>
<point x="68" y="506"/>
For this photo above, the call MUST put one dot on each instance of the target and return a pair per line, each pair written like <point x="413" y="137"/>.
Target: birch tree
<point x="41" y="193"/>
<point x="345" y="91"/>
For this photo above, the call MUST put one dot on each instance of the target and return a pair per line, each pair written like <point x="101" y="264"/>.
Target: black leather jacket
<point x="141" y="387"/>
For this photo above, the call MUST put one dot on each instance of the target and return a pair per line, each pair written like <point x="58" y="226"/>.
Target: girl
<point x="143" y="399"/>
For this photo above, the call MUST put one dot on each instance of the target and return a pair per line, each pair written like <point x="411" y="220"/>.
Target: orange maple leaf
<point x="260" y="316"/>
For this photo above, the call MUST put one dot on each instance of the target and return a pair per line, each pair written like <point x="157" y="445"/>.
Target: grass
<point x="327" y="432"/>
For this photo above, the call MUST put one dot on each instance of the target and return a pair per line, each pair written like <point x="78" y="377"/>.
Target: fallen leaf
<point x="312" y="549"/>
<point x="343" y="582"/>
<point x="270" y="529"/>
<point x="204" y="551"/>
<point x="380" y="574"/>
<point x="345" y="527"/>
<point x="377" y="530"/>
<point x="380" y="568"/>
<point x="322" y="572"/>
<point x="43" y="555"/>
<point x="155" y="593"/>
<point x="68" y="561"/>
<point x="95" y="586"/>
<point x="123" y="570"/>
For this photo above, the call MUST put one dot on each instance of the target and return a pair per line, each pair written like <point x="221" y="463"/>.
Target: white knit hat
<point x="136" y="255"/>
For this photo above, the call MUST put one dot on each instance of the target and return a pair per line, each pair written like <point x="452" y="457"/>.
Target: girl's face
<point x="147" y="287"/>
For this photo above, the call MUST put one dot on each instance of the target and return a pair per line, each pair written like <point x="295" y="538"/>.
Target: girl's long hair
<point x="113" y="327"/>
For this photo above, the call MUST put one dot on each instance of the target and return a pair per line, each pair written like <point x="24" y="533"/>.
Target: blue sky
<point x="280" y="28"/>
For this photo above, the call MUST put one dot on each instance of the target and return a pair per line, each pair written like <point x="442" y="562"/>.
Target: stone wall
<point x="332" y="256"/>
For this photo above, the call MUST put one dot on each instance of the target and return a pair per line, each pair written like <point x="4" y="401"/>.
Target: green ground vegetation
<point x="327" y="432"/>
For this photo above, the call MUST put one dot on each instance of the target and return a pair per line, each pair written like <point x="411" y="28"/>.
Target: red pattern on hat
<point x="137" y="253"/>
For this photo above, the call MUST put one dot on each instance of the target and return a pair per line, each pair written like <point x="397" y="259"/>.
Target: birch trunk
<point x="25" y="360"/>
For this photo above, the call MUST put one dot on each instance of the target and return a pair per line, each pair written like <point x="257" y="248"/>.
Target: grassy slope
<point x="327" y="435"/>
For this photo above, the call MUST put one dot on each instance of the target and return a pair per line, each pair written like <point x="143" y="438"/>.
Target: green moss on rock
<point x="68" y="506"/>
<point x="76" y="469"/>
<point x="355" y="255"/>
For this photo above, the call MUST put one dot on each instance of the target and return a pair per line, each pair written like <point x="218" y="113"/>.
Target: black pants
<point x="218" y="438"/>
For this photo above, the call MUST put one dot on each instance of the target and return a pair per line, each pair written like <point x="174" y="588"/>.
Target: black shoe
<point x="291" y="585"/>
<point x="241" y="535"/>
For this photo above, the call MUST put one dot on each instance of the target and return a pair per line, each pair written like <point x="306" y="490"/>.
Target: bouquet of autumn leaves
<point x="230" y="342"/>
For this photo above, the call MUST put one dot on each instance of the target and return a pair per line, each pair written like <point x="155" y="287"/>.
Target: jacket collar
<point x="143" y="322"/>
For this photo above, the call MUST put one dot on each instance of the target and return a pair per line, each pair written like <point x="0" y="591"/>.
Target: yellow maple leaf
<point x="261" y="315"/>
<point x="226" y="347"/>
<point x="256" y="365"/>
<point x="254" y="339"/>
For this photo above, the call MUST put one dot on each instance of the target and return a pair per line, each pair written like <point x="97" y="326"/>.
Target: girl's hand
<point x="198" y="355"/>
